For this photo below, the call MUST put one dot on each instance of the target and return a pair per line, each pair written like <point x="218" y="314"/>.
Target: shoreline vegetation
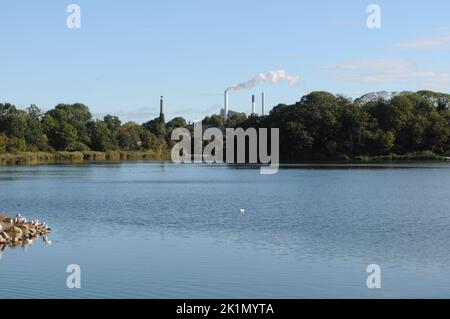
<point x="43" y="158"/>
<point x="320" y="127"/>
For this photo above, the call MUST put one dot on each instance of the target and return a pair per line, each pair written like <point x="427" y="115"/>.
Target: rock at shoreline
<point x="18" y="231"/>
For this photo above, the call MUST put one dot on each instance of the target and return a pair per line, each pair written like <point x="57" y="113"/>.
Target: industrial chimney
<point x="161" y="106"/>
<point x="263" y="101"/>
<point x="253" y="105"/>
<point x="225" y="106"/>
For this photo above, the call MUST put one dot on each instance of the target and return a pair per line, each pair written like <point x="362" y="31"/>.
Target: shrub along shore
<point x="39" y="158"/>
<point x="42" y="158"/>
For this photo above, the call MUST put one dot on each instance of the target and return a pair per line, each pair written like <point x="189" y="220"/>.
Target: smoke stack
<point x="226" y="105"/>
<point x="161" y="106"/>
<point x="253" y="104"/>
<point x="263" y="101"/>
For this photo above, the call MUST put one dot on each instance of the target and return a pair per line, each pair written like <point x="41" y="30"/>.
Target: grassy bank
<point x="419" y="156"/>
<point x="38" y="158"/>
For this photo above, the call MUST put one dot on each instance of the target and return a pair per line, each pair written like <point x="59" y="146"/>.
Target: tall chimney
<point x="253" y="104"/>
<point x="225" y="106"/>
<point x="161" y="106"/>
<point x="263" y="101"/>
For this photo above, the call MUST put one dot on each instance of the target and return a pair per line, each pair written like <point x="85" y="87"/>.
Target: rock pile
<point x="18" y="231"/>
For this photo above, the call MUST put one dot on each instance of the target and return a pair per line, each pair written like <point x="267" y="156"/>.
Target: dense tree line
<point x="320" y="126"/>
<point x="325" y="126"/>
<point x="72" y="128"/>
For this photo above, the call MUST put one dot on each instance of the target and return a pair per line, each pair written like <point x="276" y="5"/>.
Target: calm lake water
<point x="158" y="230"/>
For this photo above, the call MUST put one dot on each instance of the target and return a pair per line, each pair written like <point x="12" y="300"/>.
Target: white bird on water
<point x="47" y="241"/>
<point x="242" y="210"/>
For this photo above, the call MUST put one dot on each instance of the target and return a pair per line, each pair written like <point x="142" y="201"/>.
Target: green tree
<point x="34" y="134"/>
<point x="101" y="137"/>
<point x="156" y="126"/>
<point x="3" y="142"/>
<point x="352" y="129"/>
<point x="112" y="122"/>
<point x="67" y="138"/>
<point x="214" y="120"/>
<point x="318" y="112"/>
<point x="236" y="120"/>
<point x="16" y="145"/>
<point x="13" y="122"/>
<point x="129" y="137"/>
<point x="76" y="116"/>
<point x="150" y="141"/>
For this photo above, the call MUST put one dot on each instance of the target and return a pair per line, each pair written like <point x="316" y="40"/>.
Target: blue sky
<point x="128" y="53"/>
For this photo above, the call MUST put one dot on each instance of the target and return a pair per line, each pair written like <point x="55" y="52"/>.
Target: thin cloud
<point x="441" y="29"/>
<point x="372" y="64"/>
<point x="438" y="83"/>
<point x="381" y="71"/>
<point x="425" y="43"/>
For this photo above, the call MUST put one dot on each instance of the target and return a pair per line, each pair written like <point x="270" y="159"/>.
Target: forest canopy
<point x="320" y="125"/>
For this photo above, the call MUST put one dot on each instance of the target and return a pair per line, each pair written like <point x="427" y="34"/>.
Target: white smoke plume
<point x="269" y="77"/>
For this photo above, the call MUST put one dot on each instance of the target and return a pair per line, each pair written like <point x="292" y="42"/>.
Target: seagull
<point x="242" y="210"/>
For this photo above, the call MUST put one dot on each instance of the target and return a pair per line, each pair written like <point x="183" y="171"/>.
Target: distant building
<point x="231" y="113"/>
